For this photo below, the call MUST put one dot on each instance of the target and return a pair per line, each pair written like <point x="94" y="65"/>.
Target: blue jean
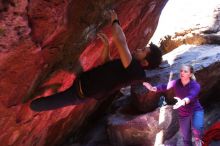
<point x="193" y="123"/>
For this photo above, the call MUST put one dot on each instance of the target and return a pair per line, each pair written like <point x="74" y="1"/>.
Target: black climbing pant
<point x="58" y="100"/>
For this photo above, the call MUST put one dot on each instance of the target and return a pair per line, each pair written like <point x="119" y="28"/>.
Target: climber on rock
<point x="105" y="79"/>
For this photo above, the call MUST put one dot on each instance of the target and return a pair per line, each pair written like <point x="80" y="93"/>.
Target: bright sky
<point x="182" y="14"/>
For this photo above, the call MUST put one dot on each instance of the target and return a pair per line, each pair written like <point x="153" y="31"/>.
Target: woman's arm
<point x="120" y="40"/>
<point x="193" y="92"/>
<point x="161" y="87"/>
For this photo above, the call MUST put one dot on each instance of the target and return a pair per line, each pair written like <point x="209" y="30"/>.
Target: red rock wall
<point x="43" y="44"/>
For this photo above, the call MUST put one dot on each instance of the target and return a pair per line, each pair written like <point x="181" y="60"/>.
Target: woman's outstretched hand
<point x="180" y="102"/>
<point x="150" y="87"/>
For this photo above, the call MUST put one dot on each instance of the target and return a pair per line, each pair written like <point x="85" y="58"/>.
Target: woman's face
<point x="185" y="72"/>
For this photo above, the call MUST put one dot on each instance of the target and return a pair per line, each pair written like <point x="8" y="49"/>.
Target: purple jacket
<point x="191" y="90"/>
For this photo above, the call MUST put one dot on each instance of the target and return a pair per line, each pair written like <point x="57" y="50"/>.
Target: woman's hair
<point x="154" y="58"/>
<point x="191" y="71"/>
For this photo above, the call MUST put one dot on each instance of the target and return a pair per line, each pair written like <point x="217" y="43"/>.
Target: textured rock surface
<point x="41" y="44"/>
<point x="127" y="129"/>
